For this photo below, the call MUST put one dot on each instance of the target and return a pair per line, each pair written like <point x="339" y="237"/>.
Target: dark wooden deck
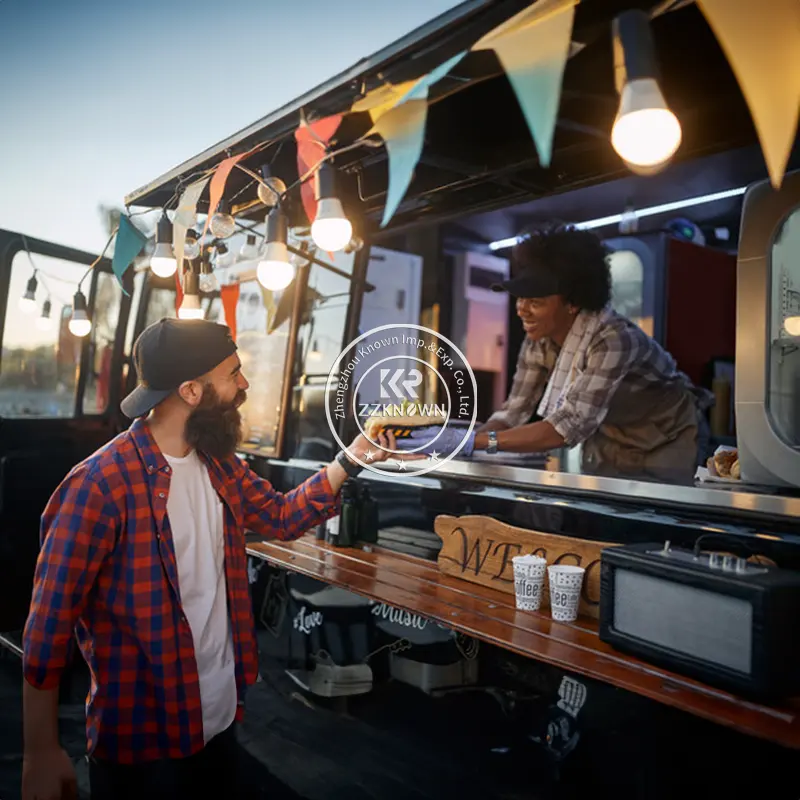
<point x="417" y="585"/>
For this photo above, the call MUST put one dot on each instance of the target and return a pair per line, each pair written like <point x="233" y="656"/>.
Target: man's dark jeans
<point x="210" y="773"/>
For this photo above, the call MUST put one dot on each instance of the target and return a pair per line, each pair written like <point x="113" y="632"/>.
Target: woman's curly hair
<point x="578" y="259"/>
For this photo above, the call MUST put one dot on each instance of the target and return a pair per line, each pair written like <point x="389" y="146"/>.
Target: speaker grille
<point x="712" y="627"/>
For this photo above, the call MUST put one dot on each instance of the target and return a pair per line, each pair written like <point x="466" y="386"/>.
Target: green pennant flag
<point x="129" y="243"/>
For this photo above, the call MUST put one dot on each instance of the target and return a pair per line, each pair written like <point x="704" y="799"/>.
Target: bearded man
<point x="143" y="560"/>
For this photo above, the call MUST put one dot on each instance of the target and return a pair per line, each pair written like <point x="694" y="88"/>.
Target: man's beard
<point x="214" y="427"/>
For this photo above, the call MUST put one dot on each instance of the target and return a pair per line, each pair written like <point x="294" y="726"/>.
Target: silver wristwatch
<point x="491" y="448"/>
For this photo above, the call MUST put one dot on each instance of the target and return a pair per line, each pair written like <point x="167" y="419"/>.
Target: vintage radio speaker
<point x="717" y="618"/>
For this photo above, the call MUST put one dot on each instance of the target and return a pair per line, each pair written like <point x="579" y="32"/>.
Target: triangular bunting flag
<point x="762" y="44"/>
<point x="312" y="139"/>
<point x="402" y="129"/>
<point x="382" y="99"/>
<point x="533" y="48"/>
<point x="419" y="90"/>
<point x="185" y="218"/>
<point x="129" y="243"/>
<point x="217" y="187"/>
<point x="229" y="293"/>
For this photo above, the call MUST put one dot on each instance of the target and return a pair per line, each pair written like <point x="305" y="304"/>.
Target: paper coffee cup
<point x="565" y="591"/>
<point x="529" y="581"/>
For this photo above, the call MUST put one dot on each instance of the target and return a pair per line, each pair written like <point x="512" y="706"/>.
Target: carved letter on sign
<point x="479" y="549"/>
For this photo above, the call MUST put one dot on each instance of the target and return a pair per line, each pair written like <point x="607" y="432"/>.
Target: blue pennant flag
<point x="129" y="243"/>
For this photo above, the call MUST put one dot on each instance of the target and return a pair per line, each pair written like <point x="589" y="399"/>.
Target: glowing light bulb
<point x="27" y="303"/>
<point x="645" y="133"/>
<point x="79" y="323"/>
<point x="190" y="308"/>
<point x="222" y="224"/>
<point x="331" y="230"/>
<point x="191" y="247"/>
<point x="190" y="305"/>
<point x="43" y="321"/>
<point x="792" y="326"/>
<point x="162" y="262"/>
<point x="274" y="270"/>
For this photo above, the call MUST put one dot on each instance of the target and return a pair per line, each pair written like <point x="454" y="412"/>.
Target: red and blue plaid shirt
<point x="107" y="574"/>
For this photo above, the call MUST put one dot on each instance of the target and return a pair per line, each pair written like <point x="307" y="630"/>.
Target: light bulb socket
<point x="634" y="48"/>
<point x="30" y="289"/>
<point x="46" y="306"/>
<point x="277" y="226"/>
<point x="79" y="303"/>
<point x="266" y="172"/>
<point x="205" y="267"/>
<point x="164" y="230"/>
<point x="191" y="282"/>
<point x="221" y="248"/>
<point x="251" y="239"/>
<point x="325" y="182"/>
<point x="191" y="233"/>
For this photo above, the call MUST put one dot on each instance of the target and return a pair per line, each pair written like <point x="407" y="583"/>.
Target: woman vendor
<point x="593" y="377"/>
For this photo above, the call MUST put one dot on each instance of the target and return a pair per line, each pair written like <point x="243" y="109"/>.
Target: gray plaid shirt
<point x="619" y="354"/>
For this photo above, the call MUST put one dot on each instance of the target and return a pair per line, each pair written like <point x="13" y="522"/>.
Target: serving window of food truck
<point x="702" y="258"/>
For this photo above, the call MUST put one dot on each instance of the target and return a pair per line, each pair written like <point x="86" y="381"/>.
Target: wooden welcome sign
<point x="479" y="549"/>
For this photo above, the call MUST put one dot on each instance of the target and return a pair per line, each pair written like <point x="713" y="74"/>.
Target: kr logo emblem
<point x="414" y="379"/>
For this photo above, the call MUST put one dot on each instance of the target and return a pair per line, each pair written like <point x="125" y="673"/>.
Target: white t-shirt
<point x="196" y="519"/>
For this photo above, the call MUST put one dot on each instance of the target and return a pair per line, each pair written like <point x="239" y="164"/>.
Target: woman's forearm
<point x="533" y="438"/>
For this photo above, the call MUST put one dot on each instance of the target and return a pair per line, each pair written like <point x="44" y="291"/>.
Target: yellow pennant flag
<point x="383" y="99"/>
<point x="533" y="48"/>
<point x="762" y="44"/>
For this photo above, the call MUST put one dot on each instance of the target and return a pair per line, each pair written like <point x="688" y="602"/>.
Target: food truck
<point x="425" y="163"/>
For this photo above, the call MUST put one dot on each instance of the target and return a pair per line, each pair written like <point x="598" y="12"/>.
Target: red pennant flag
<point x="311" y="143"/>
<point x="230" y="300"/>
<point x="178" y="290"/>
<point x="217" y="186"/>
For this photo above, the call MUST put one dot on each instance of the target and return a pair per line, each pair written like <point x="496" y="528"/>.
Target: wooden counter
<point x="417" y="585"/>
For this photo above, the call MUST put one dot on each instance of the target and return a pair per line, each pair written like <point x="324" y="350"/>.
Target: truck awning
<point x="478" y="153"/>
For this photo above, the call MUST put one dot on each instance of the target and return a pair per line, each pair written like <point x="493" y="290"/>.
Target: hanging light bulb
<point x="79" y="323"/>
<point x="646" y="134"/>
<point x="43" y="321"/>
<point x="270" y="191"/>
<point x="190" y="305"/>
<point x="792" y="326"/>
<point x="162" y="262"/>
<point x="207" y="281"/>
<point x="249" y="251"/>
<point x="222" y="223"/>
<point x="224" y="257"/>
<point x="331" y="230"/>
<point x="27" y="303"/>
<point x="191" y="248"/>
<point x="274" y="270"/>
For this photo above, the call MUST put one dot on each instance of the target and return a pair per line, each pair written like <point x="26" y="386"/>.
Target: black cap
<point x="532" y="283"/>
<point x="171" y="352"/>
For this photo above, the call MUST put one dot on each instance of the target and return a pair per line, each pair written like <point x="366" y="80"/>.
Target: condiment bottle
<point x="367" y="517"/>
<point x="348" y="527"/>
